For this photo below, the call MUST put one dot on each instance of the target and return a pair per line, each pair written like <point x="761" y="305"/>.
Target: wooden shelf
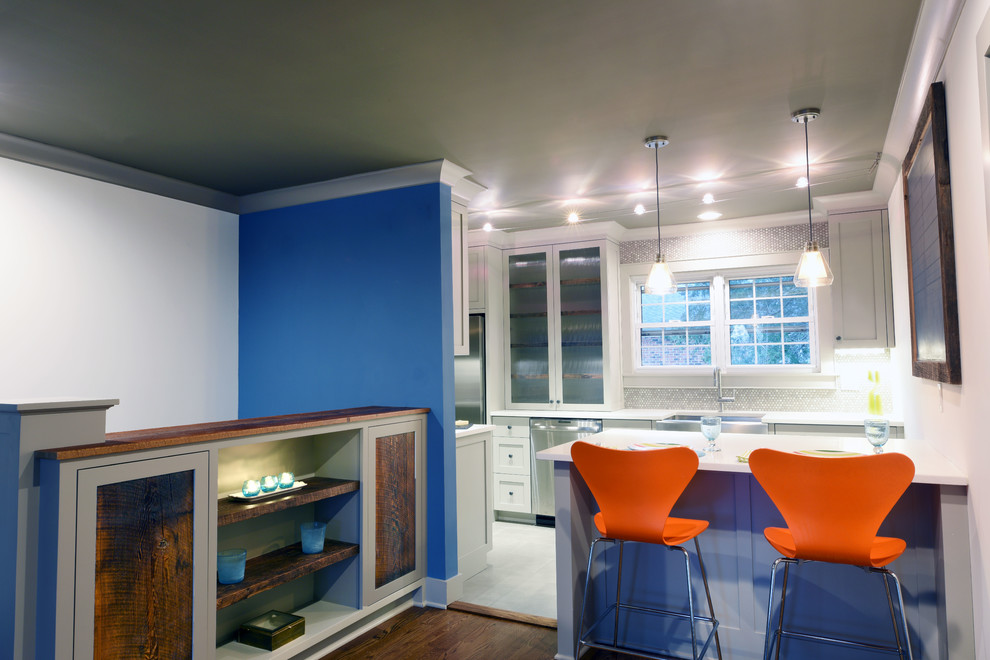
<point x="580" y="344"/>
<point x="283" y="565"/>
<point x="316" y="489"/>
<point x="528" y="285"/>
<point x="581" y="281"/>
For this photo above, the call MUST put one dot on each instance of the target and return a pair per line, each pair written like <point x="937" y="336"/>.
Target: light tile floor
<point x="521" y="572"/>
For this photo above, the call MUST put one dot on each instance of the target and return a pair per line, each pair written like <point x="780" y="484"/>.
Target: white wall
<point x="108" y="292"/>
<point x="956" y="419"/>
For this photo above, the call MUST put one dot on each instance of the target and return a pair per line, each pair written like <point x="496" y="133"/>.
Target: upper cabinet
<point x="557" y="342"/>
<point x="862" y="302"/>
<point x="477" y="279"/>
<point x="459" y="259"/>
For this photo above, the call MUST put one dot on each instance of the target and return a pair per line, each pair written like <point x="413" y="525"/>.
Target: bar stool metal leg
<point x="618" y="592"/>
<point x="708" y="595"/>
<point x="780" y="620"/>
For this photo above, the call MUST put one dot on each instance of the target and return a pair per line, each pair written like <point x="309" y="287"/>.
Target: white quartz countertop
<point x="829" y="418"/>
<point x="931" y="467"/>
<point x="474" y="429"/>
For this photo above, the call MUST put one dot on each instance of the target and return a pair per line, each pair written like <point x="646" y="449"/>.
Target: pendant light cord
<point x="807" y="177"/>
<point x="656" y="156"/>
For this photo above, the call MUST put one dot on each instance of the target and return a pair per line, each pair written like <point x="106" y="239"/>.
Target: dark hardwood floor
<point x="427" y="633"/>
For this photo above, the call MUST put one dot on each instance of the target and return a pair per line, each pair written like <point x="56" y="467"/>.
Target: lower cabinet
<point x="475" y="502"/>
<point x="512" y="465"/>
<point x="828" y="429"/>
<point x="394" y="501"/>
<point x="129" y="541"/>
<point x="127" y="549"/>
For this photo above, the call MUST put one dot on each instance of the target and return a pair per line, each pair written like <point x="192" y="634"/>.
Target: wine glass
<point x="710" y="428"/>
<point x="877" y="432"/>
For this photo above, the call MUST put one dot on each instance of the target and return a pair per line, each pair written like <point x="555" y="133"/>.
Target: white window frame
<point x="819" y="374"/>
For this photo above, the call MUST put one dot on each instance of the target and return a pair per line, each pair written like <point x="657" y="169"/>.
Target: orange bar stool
<point x="833" y="508"/>
<point x="635" y="492"/>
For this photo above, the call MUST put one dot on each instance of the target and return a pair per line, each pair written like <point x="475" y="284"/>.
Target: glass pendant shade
<point x="812" y="269"/>
<point x="661" y="280"/>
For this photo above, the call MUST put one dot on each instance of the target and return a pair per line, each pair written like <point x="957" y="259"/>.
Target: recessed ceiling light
<point x="710" y="215"/>
<point x="640" y="209"/>
<point x="573" y="217"/>
<point x="487" y="226"/>
<point x="802" y="182"/>
<point x="708" y="198"/>
<point x="707" y="176"/>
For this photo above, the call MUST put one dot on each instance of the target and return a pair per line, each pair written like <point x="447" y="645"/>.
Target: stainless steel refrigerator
<point x="469" y="375"/>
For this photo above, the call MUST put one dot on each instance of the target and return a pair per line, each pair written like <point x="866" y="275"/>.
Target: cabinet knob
<point x="510" y="455"/>
<point x="511" y="493"/>
<point x="508" y="427"/>
<point x="838" y="338"/>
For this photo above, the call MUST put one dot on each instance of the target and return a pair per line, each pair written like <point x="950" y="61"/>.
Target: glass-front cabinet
<point x="556" y="341"/>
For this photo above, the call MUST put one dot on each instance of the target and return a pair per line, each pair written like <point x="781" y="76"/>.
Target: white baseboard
<point x="440" y="593"/>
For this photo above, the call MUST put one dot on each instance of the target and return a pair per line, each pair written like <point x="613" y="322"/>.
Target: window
<point x="761" y="322"/>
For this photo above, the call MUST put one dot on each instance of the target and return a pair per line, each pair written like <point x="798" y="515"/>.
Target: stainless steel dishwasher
<point x="545" y="433"/>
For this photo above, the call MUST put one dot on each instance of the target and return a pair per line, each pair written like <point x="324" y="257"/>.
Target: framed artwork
<point x="930" y="250"/>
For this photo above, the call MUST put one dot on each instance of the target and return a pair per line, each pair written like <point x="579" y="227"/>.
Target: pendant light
<point x="660" y="280"/>
<point x="812" y="269"/>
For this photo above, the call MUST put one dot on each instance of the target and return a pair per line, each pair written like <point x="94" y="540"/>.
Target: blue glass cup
<point x="313" y="534"/>
<point x="269" y="483"/>
<point x="250" y="487"/>
<point x="230" y="565"/>
<point x="286" y="480"/>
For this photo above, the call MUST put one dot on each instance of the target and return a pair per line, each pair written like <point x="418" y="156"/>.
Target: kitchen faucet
<point x="718" y="390"/>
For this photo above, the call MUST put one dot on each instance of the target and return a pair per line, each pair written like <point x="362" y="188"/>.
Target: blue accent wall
<point x="348" y="302"/>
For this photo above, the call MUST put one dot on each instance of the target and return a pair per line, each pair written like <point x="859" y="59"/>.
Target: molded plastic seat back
<point x="833" y="506"/>
<point x="635" y="490"/>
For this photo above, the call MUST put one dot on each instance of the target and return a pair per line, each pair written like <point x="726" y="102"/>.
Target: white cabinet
<point x="511" y="464"/>
<point x="475" y="502"/>
<point x="477" y="279"/>
<point x="558" y="306"/>
<point x="862" y="302"/>
<point x="459" y="259"/>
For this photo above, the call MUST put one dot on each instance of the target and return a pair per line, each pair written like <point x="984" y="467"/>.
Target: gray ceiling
<point x="545" y="101"/>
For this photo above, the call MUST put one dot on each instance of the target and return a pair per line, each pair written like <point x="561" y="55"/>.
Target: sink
<point x="730" y="423"/>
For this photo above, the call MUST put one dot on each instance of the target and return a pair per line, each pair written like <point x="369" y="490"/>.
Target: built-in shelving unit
<point x="289" y="563"/>
<point x="317" y="488"/>
<point x="280" y="566"/>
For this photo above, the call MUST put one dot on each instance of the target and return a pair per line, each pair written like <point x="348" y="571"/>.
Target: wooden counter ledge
<point x="128" y="441"/>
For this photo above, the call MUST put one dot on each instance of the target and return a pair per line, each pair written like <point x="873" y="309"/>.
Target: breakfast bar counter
<point x="931" y="517"/>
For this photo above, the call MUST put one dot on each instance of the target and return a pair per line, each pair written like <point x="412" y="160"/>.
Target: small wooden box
<point x="271" y="630"/>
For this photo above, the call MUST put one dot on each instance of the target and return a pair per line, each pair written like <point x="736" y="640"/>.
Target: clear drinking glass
<point x="710" y="428"/>
<point x="877" y="432"/>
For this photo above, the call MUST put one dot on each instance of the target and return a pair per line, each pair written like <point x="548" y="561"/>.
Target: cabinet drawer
<point x="512" y="493"/>
<point x="511" y="427"/>
<point x="511" y="455"/>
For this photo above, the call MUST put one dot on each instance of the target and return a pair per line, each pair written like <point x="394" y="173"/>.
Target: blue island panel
<point x="348" y="302"/>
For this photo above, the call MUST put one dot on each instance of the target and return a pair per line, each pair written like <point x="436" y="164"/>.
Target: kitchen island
<point x="931" y="517"/>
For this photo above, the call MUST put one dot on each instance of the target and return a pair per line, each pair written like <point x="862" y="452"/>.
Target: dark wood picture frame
<point x="930" y="249"/>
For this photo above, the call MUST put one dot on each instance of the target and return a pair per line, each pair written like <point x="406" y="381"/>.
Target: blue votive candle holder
<point x="250" y="488"/>
<point x="313" y="535"/>
<point x="230" y="565"/>
<point x="286" y="480"/>
<point x="269" y="483"/>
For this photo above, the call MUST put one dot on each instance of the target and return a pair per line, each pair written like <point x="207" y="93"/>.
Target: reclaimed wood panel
<point x="129" y="441"/>
<point x="316" y="489"/>
<point x="144" y="568"/>
<point x="395" y="506"/>
<point x="280" y="566"/>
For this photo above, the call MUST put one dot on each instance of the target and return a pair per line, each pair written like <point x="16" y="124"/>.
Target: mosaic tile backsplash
<point x="852" y="396"/>
<point x="764" y="240"/>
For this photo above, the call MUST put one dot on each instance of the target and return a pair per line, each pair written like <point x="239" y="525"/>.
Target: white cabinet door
<point x="862" y="302"/>
<point x="557" y="310"/>
<point x="143" y="559"/>
<point x="459" y="229"/>
<point x="477" y="278"/>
